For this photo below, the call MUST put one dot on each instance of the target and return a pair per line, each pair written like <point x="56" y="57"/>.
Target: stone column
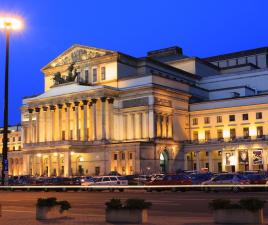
<point x="59" y="122"/>
<point x="52" y="122"/>
<point x="67" y="122"/>
<point x="111" y="118"/>
<point x="58" y="165"/>
<point x="210" y="161"/>
<point x="197" y="157"/>
<point x="170" y="126"/>
<point x="37" y="113"/>
<point x="49" y="165"/>
<point x="158" y="125"/>
<point x="33" y="164"/>
<point x="85" y="133"/>
<point x="94" y="124"/>
<point x="76" y="122"/>
<point x="67" y="164"/>
<point x="152" y="124"/>
<point x="41" y="165"/>
<point x="103" y="118"/>
<point x="45" y="122"/>
<point x="30" y="129"/>
<point x="164" y="128"/>
<point x="26" y="164"/>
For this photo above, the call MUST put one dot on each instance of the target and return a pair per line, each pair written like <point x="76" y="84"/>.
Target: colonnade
<point x="53" y="122"/>
<point x="163" y="125"/>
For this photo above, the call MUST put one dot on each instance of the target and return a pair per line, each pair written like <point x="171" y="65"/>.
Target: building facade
<point x="107" y="111"/>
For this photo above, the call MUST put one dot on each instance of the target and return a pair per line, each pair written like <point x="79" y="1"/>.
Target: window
<point x="19" y="138"/>
<point x="259" y="115"/>
<point x="195" y="121"/>
<point x="95" y="75"/>
<point x="103" y="73"/>
<point x="246" y="132"/>
<point x="260" y="132"/>
<point x="86" y="76"/>
<point x="115" y="156"/>
<point x="206" y="153"/>
<point x="206" y="120"/>
<point x="219" y="134"/>
<point x="219" y="153"/>
<point x="19" y="147"/>
<point x="232" y="133"/>
<point x="63" y="135"/>
<point x="123" y="156"/>
<point x="219" y="119"/>
<point x="130" y="155"/>
<point x="14" y="148"/>
<point x="14" y="139"/>
<point x="245" y="116"/>
<point x="207" y="135"/>
<point x="231" y="118"/>
<point x="195" y="135"/>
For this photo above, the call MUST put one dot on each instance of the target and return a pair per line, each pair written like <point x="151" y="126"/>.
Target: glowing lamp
<point x="10" y="23"/>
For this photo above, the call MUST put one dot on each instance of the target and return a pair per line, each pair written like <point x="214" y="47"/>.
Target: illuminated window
<point x="258" y="115"/>
<point x="207" y="135"/>
<point x="103" y="73"/>
<point x="231" y="118"/>
<point x="219" y="119"/>
<point x="206" y="120"/>
<point x="195" y="121"/>
<point x="94" y="75"/>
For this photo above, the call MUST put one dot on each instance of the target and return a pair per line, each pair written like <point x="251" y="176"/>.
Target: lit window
<point x="232" y="133"/>
<point x="195" y="135"/>
<point x="246" y="132"/>
<point x="220" y="134"/>
<point x="207" y="135"/>
<point x="260" y="132"/>
<point x="103" y="73"/>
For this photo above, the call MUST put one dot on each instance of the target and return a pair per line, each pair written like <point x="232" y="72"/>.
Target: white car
<point x="110" y="181"/>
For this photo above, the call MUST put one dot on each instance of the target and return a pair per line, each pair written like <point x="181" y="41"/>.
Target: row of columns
<point x="49" y="125"/>
<point x="163" y="125"/>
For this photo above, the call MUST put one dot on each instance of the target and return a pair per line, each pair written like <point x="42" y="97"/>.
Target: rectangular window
<point x="259" y="115"/>
<point x="260" y="132"/>
<point x="220" y="134"/>
<point x="123" y="156"/>
<point x="97" y="171"/>
<point x="231" y="118"/>
<point x="245" y="116"/>
<point x="232" y="133"/>
<point x="103" y="73"/>
<point x="206" y="120"/>
<point x="63" y="135"/>
<point x="130" y="155"/>
<point x="219" y="119"/>
<point x="86" y="76"/>
<point x="14" y="139"/>
<point x="94" y="75"/>
<point x="19" y="138"/>
<point x="195" y="121"/>
<point x="195" y="135"/>
<point x="246" y="132"/>
<point x="115" y="156"/>
<point x="207" y="135"/>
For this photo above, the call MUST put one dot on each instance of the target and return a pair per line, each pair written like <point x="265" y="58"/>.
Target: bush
<point x="131" y="203"/>
<point x="50" y="202"/>
<point x="251" y="204"/>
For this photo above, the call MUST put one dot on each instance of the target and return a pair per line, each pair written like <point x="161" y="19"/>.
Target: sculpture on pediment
<point x="72" y="74"/>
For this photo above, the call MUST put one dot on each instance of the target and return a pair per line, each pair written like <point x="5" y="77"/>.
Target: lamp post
<point x="6" y="24"/>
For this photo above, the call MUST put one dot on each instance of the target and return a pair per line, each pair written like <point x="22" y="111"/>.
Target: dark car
<point x="198" y="178"/>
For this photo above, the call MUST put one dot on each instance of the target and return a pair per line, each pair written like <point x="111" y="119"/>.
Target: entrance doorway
<point x="164" y="162"/>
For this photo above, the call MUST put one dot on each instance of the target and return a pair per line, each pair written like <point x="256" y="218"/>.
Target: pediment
<point x="77" y="53"/>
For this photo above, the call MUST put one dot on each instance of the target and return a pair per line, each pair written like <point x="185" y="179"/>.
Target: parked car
<point x="171" y="179"/>
<point x="88" y="180"/>
<point x="112" y="181"/>
<point x="142" y="179"/>
<point x="198" y="178"/>
<point x="233" y="179"/>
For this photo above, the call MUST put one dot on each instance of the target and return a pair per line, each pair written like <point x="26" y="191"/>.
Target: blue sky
<point x="201" y="28"/>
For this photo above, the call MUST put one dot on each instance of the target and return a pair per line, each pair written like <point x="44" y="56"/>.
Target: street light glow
<point x="10" y="23"/>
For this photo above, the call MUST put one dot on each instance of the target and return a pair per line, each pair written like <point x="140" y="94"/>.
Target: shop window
<point x="259" y="131"/>
<point x="94" y="75"/>
<point x="232" y="133"/>
<point x="206" y="120"/>
<point x="195" y="121"/>
<point x="220" y="134"/>
<point x="231" y="118"/>
<point x="219" y="119"/>
<point x="245" y="116"/>
<point x="207" y="165"/>
<point x="194" y="166"/>
<point x="259" y="115"/>
<point x="219" y="167"/>
<point x="115" y="156"/>
<point x="246" y="132"/>
<point x="195" y="135"/>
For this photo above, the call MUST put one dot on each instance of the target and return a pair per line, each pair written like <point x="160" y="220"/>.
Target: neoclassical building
<point x="105" y="111"/>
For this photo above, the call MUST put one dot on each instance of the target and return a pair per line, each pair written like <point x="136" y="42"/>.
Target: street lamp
<point x="7" y="24"/>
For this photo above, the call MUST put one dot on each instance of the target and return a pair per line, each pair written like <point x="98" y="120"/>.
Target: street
<point x="89" y="207"/>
